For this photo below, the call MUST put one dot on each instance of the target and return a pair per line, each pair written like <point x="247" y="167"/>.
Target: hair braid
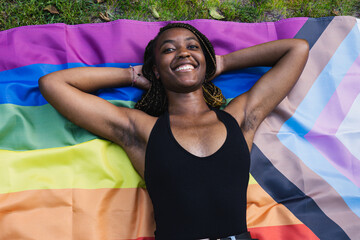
<point x="154" y="101"/>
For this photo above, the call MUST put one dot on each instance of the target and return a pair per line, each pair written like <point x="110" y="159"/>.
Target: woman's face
<point x="180" y="61"/>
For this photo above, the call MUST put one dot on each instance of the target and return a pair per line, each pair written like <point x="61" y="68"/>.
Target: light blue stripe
<point x="309" y="110"/>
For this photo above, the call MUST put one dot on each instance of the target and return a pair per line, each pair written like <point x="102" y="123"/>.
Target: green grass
<point x="15" y="13"/>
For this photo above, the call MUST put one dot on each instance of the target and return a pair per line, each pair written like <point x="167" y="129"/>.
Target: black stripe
<point x="285" y="192"/>
<point x="313" y="28"/>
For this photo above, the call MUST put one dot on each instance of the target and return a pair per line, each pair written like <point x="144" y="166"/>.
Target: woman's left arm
<point x="287" y="58"/>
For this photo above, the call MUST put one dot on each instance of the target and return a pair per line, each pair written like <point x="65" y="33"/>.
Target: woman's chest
<point x="200" y="139"/>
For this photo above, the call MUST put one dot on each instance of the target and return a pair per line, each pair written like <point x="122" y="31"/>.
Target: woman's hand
<point x="138" y="78"/>
<point x="219" y="66"/>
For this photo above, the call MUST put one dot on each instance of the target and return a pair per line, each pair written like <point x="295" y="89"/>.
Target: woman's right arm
<point x="69" y="92"/>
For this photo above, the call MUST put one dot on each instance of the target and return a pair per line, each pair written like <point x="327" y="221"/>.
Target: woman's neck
<point x="191" y="104"/>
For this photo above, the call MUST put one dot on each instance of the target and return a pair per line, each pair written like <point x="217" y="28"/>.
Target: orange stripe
<point x="124" y="213"/>
<point x="262" y="210"/>
<point x="68" y="214"/>
<point x="293" y="232"/>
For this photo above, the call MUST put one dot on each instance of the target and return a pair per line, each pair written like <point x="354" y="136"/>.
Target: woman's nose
<point x="183" y="53"/>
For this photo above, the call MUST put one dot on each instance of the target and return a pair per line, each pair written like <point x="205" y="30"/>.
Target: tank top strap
<point x="226" y="118"/>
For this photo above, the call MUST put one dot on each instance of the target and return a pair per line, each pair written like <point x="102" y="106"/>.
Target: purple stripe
<point x="124" y="40"/>
<point x="288" y="28"/>
<point x="322" y="135"/>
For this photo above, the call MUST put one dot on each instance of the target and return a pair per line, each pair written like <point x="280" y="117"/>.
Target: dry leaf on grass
<point x="52" y="9"/>
<point x="104" y="17"/>
<point x="214" y="13"/>
<point x="154" y="12"/>
<point x="337" y="13"/>
<point x="100" y="1"/>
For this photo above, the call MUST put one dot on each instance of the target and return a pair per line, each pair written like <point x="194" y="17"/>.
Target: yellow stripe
<point x="252" y="180"/>
<point x="90" y="165"/>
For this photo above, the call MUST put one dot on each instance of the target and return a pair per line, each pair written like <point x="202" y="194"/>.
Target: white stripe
<point x="346" y="133"/>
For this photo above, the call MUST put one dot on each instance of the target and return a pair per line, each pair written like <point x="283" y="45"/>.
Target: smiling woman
<point x="154" y="102"/>
<point x="194" y="157"/>
<point x="173" y="61"/>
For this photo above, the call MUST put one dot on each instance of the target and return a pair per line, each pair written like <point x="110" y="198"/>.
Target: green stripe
<point x="39" y="127"/>
<point x="25" y="128"/>
<point x="90" y="165"/>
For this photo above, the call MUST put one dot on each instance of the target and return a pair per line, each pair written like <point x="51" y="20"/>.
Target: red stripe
<point x="144" y="238"/>
<point x="293" y="232"/>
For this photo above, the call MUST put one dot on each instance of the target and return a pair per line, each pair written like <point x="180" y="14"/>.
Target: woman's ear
<point x="156" y="72"/>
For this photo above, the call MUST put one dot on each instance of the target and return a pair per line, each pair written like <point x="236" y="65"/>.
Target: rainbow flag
<point x="58" y="181"/>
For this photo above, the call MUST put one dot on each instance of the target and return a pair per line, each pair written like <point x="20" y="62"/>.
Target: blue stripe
<point x="287" y="193"/>
<point x="20" y="86"/>
<point x="309" y="110"/>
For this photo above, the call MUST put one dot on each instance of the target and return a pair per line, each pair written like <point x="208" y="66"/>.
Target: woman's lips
<point x="184" y="68"/>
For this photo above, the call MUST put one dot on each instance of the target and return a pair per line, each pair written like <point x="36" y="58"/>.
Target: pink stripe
<point x="322" y="135"/>
<point x="123" y="40"/>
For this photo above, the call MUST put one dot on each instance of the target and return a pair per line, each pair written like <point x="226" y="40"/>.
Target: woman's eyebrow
<point x="166" y="41"/>
<point x="192" y="38"/>
<point x="172" y="41"/>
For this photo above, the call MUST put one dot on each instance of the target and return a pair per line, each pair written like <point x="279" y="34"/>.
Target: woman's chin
<point x="187" y="87"/>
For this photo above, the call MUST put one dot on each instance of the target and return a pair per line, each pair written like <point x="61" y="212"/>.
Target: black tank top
<point x="197" y="197"/>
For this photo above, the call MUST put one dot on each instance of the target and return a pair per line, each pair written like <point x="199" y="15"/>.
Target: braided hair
<point x="154" y="102"/>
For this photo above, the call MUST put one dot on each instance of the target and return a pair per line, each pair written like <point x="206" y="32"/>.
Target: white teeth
<point x="184" y="67"/>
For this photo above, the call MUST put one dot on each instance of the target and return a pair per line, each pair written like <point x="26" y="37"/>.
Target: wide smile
<point x="184" y="68"/>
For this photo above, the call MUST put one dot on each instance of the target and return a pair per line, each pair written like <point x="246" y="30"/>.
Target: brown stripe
<point x="68" y="214"/>
<point x="284" y="160"/>
<point x="263" y="211"/>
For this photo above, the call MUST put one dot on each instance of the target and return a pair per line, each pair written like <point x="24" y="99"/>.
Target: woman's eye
<point x="193" y="47"/>
<point x="167" y="50"/>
